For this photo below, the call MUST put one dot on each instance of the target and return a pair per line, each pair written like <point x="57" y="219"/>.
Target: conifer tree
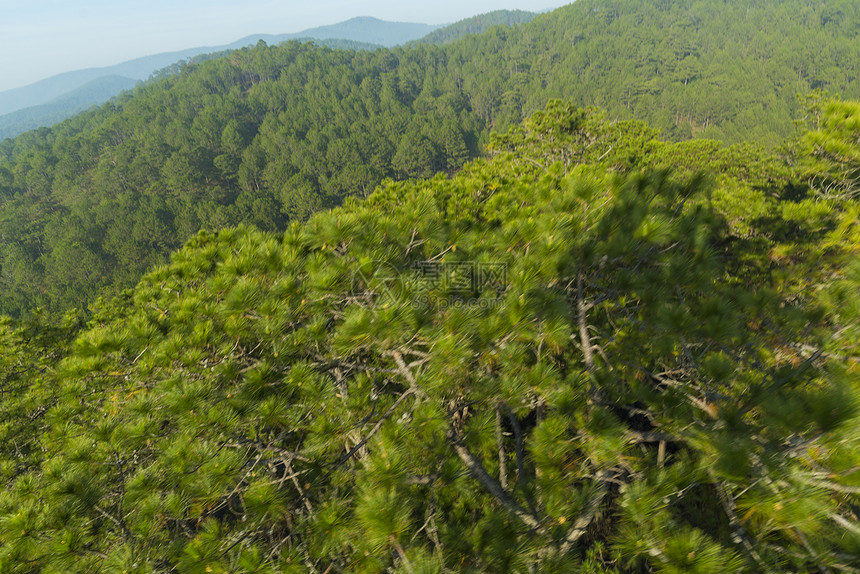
<point x="560" y="359"/>
<point x="833" y="148"/>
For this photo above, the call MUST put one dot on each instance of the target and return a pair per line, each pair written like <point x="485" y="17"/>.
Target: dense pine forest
<point x="577" y="295"/>
<point x="475" y="25"/>
<point x="269" y="135"/>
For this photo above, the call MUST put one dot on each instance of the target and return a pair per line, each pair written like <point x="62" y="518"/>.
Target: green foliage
<point x="249" y="137"/>
<point x="833" y="148"/>
<point x="652" y="385"/>
<point x="269" y="135"/>
<point x="475" y="25"/>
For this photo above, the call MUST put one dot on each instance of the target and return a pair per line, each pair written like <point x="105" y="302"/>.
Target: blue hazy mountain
<point x="361" y="29"/>
<point x="94" y="92"/>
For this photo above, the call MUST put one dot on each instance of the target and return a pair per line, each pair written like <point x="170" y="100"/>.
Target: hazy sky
<point x="40" y="38"/>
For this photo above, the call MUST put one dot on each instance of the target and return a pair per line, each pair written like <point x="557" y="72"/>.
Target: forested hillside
<point x="356" y="33"/>
<point x="475" y="25"/>
<point x="106" y="87"/>
<point x="268" y="135"/>
<point x="263" y="136"/>
<point x="564" y="358"/>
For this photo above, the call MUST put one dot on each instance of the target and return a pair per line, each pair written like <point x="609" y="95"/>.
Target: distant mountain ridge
<point x="101" y="89"/>
<point x="40" y="103"/>
<point x="49" y="89"/>
<point x="93" y="92"/>
<point x="54" y="99"/>
<point x="361" y="29"/>
<point x="475" y="25"/>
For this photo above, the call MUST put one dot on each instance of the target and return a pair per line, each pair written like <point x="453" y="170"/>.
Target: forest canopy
<point x="659" y="375"/>
<point x="266" y="136"/>
<point x="432" y="310"/>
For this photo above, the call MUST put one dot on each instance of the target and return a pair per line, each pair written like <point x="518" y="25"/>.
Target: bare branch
<point x="376" y="427"/>
<point x="503" y="467"/>
<point x="582" y="323"/>
<point x="584" y="521"/>
<point x="853" y="527"/>
<point x="489" y="483"/>
<point x="126" y="533"/>
<point x="739" y="533"/>
<point x="299" y="489"/>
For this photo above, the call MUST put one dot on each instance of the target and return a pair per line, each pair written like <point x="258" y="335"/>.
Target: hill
<point x="105" y="87"/>
<point x="362" y="33"/>
<point x="475" y="25"/>
<point x="268" y="135"/>
<point x="726" y="71"/>
<point x="90" y="94"/>
<point x="49" y="89"/>
<point x="361" y="29"/>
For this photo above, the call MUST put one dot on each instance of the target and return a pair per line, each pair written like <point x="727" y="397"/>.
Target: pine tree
<point x="560" y="359"/>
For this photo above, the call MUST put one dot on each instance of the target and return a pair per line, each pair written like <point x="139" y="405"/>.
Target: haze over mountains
<point x="58" y="97"/>
<point x="68" y="103"/>
<point x="475" y="25"/>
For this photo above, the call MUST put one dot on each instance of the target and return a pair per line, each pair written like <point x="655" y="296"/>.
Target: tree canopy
<point x="566" y="357"/>
<point x="422" y="315"/>
<point x="268" y="135"/>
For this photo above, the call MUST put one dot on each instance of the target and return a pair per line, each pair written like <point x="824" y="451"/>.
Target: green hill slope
<point x="54" y="99"/>
<point x="362" y="33"/>
<point x="269" y="135"/>
<point x="721" y="70"/>
<point x="475" y="25"/>
<point x="263" y="136"/>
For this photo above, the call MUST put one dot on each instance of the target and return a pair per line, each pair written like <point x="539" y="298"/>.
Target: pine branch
<point x="503" y="467"/>
<point x="812" y="552"/>
<point x="286" y="454"/>
<point x="808" y="351"/>
<point x="518" y="434"/>
<point x="377" y="426"/>
<point x="412" y="390"/>
<point x="739" y="533"/>
<point x="331" y="363"/>
<point x="401" y="553"/>
<point x="302" y="494"/>
<point x="852" y="527"/>
<point x="582" y="323"/>
<point x="403" y="368"/>
<point x="489" y="483"/>
<point x="582" y="309"/>
<point x="829" y="485"/>
<point x="584" y="521"/>
<point x="126" y="533"/>
<point x="413" y="243"/>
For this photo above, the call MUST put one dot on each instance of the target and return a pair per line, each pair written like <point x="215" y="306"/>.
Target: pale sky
<point x="41" y="38"/>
